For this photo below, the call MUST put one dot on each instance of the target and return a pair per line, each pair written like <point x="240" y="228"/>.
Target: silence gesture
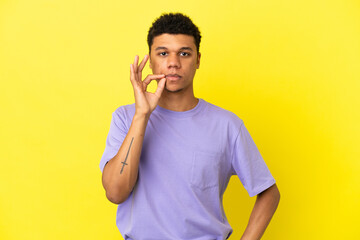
<point x="145" y="102"/>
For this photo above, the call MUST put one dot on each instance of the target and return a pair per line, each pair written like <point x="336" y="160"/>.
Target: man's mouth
<point x="172" y="76"/>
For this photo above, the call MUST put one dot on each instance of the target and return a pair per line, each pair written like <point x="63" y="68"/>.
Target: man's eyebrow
<point x="186" y="48"/>
<point x="160" y="48"/>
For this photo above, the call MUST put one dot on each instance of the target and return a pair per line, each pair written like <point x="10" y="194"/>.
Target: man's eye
<point x="162" y="54"/>
<point x="184" y="54"/>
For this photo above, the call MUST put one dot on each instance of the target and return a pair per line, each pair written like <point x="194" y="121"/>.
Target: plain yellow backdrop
<point x="289" y="69"/>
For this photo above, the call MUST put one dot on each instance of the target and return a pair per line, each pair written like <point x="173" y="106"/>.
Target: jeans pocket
<point x="205" y="170"/>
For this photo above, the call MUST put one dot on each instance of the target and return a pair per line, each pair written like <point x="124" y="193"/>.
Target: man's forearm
<point x="264" y="208"/>
<point x="120" y="173"/>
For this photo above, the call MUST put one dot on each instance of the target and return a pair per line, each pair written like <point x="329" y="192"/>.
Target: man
<point x="169" y="156"/>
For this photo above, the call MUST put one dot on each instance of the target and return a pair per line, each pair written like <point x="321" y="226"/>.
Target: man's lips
<point x="172" y="76"/>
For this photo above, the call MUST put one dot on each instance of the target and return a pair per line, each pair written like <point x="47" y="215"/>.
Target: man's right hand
<point x="145" y="102"/>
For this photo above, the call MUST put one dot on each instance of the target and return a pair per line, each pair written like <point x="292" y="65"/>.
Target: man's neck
<point x="178" y="101"/>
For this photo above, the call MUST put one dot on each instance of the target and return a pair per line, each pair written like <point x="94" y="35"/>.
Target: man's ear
<point x="198" y="60"/>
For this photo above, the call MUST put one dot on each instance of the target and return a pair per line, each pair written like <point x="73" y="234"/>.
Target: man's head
<point x="174" y="51"/>
<point x="174" y="23"/>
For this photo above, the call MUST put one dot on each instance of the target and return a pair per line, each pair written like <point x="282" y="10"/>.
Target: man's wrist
<point x="141" y="116"/>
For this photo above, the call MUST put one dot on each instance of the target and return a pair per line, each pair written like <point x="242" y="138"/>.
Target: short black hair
<point x="173" y="23"/>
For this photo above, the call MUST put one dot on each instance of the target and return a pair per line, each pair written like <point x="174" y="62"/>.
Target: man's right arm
<point x="120" y="173"/>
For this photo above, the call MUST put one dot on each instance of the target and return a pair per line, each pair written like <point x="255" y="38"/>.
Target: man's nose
<point x="174" y="61"/>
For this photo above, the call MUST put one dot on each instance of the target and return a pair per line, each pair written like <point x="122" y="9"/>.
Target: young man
<point x="169" y="157"/>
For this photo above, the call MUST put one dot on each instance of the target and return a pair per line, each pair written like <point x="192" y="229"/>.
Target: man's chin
<point x="173" y="90"/>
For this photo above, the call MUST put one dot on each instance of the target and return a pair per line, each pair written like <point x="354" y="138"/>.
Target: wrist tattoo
<point x="124" y="162"/>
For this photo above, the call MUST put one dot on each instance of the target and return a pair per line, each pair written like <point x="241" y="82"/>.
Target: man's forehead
<point x="167" y="40"/>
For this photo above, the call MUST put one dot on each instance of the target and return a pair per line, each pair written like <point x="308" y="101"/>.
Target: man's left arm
<point x="264" y="208"/>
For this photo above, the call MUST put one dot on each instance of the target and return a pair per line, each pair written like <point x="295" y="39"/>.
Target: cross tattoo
<point x="124" y="162"/>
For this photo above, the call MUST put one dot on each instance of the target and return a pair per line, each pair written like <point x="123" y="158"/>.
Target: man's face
<point x="175" y="55"/>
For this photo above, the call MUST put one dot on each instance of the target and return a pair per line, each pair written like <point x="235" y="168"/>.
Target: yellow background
<point x="289" y="69"/>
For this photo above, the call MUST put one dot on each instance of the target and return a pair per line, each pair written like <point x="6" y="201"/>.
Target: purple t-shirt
<point x="186" y="162"/>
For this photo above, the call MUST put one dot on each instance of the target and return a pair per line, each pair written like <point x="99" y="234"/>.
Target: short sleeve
<point x="116" y="136"/>
<point x="249" y="165"/>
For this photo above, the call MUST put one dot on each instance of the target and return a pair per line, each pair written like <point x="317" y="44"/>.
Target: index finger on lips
<point x="149" y="78"/>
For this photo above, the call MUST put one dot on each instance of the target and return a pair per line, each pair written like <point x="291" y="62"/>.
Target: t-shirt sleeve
<point x="249" y="165"/>
<point x="116" y="136"/>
